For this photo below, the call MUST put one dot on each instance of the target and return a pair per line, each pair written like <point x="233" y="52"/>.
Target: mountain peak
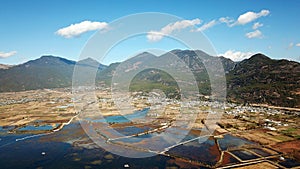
<point x="142" y="57"/>
<point x="182" y="53"/>
<point x="143" y="54"/>
<point x="175" y="50"/>
<point x="48" y="56"/>
<point x="259" y="56"/>
<point x="90" y="62"/>
<point x="50" y="60"/>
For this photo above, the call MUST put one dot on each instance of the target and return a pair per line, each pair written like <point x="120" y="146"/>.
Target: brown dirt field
<point x="261" y="136"/>
<point x="183" y="163"/>
<point x="23" y="108"/>
<point x="263" y="165"/>
<point x="291" y="148"/>
<point x="226" y="159"/>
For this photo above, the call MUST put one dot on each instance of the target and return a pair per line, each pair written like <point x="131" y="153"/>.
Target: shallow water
<point x="231" y="141"/>
<point x="35" y="128"/>
<point x="289" y="163"/>
<point x="61" y="152"/>
<point x="6" y="129"/>
<point x="54" y="151"/>
<point x="244" y="155"/>
<point x="132" y="130"/>
<point x="260" y="152"/>
<point x="72" y="148"/>
<point x="205" y="152"/>
<point x="122" y="119"/>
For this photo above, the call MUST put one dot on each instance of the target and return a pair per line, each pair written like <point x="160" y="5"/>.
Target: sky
<point x="236" y="29"/>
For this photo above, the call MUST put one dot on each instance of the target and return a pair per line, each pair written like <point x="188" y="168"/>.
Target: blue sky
<point x="30" y="29"/>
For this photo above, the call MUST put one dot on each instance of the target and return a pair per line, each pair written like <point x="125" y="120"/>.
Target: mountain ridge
<point x="45" y="72"/>
<point x="258" y="79"/>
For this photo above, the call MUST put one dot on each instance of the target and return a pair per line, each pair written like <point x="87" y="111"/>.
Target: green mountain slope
<point x="264" y="80"/>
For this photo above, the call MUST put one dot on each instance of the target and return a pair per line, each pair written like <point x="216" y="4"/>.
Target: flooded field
<point x="33" y="127"/>
<point x="38" y="146"/>
<point x="67" y="149"/>
<point x="228" y="160"/>
<point x="122" y="119"/>
<point x="230" y="141"/>
<point x="206" y="152"/>
<point x="260" y="152"/>
<point x="244" y="155"/>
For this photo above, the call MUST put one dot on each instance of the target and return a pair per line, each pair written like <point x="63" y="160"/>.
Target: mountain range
<point x="258" y="79"/>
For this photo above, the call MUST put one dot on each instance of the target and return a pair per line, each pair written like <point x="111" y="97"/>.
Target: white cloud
<point x="214" y="22"/>
<point x="207" y="25"/>
<point x="298" y="44"/>
<point x="154" y="36"/>
<point x="291" y="45"/>
<point x="254" y="34"/>
<point x="167" y="30"/>
<point x="7" y="54"/>
<point x="250" y="16"/>
<point x="242" y="20"/>
<point x="257" y="25"/>
<point x="79" y="28"/>
<point x="236" y="55"/>
<point x="226" y="20"/>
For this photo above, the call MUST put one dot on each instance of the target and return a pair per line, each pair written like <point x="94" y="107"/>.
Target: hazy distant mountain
<point x="2" y="66"/>
<point x="45" y="72"/>
<point x="196" y="58"/>
<point x="258" y="79"/>
<point x="89" y="62"/>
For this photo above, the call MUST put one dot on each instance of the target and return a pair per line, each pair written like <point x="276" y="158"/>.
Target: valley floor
<point x="245" y="136"/>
